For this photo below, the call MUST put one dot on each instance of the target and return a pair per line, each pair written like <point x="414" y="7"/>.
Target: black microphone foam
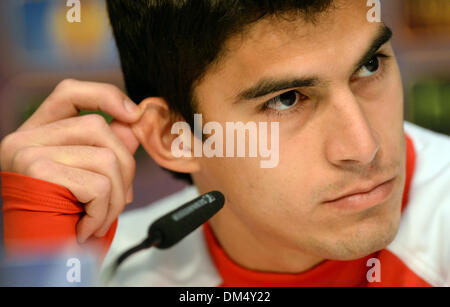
<point x="177" y="224"/>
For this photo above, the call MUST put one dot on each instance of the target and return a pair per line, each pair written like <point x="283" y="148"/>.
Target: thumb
<point x="125" y="134"/>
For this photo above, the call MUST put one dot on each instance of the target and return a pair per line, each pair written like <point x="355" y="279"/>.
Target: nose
<point x="350" y="141"/>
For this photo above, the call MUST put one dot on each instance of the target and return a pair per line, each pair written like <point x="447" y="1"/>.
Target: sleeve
<point x="41" y="217"/>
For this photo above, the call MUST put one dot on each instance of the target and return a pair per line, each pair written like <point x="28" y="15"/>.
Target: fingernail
<point x="81" y="239"/>
<point x="130" y="195"/>
<point x="130" y="106"/>
<point x="101" y="233"/>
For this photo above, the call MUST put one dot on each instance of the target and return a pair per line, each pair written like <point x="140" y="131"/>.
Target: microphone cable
<point x="171" y="228"/>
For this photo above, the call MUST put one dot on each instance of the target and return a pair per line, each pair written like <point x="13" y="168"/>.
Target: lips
<point x="361" y="189"/>
<point x="364" y="196"/>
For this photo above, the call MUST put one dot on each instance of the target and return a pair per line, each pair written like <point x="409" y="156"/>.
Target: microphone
<point x="171" y="228"/>
<point x="177" y="224"/>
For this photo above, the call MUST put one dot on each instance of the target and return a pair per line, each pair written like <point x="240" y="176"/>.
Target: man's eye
<point x="284" y="101"/>
<point x="370" y="68"/>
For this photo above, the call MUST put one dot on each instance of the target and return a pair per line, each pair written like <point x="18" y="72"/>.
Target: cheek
<point x="254" y="193"/>
<point x="300" y="171"/>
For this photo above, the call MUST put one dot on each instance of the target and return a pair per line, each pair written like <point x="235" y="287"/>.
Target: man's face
<point x="341" y="129"/>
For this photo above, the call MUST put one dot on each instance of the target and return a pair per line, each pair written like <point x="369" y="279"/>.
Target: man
<point x="350" y="191"/>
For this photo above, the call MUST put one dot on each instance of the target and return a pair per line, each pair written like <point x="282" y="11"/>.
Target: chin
<point x="371" y="233"/>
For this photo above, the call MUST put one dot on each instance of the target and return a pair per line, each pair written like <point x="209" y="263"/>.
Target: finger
<point x="130" y="194"/>
<point x="87" y="130"/>
<point x="92" y="189"/>
<point x="70" y="96"/>
<point x="125" y="133"/>
<point x="95" y="159"/>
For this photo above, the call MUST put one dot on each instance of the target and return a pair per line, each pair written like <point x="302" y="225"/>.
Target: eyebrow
<point x="271" y="85"/>
<point x="268" y="86"/>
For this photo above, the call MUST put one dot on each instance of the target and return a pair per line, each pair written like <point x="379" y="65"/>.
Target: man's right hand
<point x="92" y="159"/>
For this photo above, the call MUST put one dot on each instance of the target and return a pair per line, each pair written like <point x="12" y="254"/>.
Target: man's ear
<point x="153" y="130"/>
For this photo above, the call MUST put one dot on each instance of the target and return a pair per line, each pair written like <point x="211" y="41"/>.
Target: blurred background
<point x="39" y="48"/>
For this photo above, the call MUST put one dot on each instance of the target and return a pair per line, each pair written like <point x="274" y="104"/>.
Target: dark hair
<point x="166" y="46"/>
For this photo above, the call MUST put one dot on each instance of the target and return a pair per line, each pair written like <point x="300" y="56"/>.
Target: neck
<point x="255" y="251"/>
